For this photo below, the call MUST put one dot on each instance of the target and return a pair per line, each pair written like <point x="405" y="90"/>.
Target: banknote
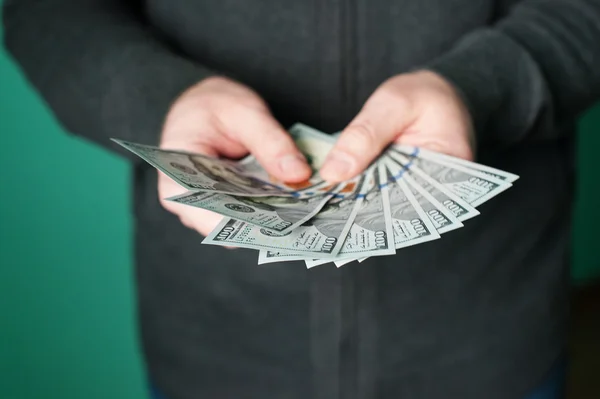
<point x="314" y="144"/>
<point x="407" y="197"/>
<point x="360" y="237"/>
<point x="271" y="256"/>
<point x="472" y="186"/>
<point x="441" y="217"/>
<point x="278" y="214"/>
<point x="372" y="232"/>
<point x="416" y="212"/>
<point x="197" y="172"/>
<point x="411" y="224"/>
<point x="320" y="237"/>
<point x="450" y="160"/>
<point x="459" y="207"/>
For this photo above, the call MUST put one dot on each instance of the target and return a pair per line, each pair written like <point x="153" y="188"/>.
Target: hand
<point x="220" y="117"/>
<point x="419" y="109"/>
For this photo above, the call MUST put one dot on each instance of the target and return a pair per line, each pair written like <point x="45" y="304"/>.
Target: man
<point x="481" y="314"/>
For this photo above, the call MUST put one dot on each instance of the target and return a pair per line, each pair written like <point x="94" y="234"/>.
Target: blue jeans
<point x="553" y="386"/>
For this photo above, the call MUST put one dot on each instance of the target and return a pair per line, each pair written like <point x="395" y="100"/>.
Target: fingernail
<point x="292" y="164"/>
<point x="337" y="166"/>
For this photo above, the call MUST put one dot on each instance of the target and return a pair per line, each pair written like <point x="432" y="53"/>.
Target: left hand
<point x="419" y="109"/>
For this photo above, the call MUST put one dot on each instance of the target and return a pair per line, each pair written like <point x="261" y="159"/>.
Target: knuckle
<point x="239" y="107"/>
<point x="392" y="95"/>
<point x="242" y="107"/>
<point x="228" y="109"/>
<point x="398" y="103"/>
<point x="387" y="94"/>
<point x="361" y="136"/>
<point x="402" y="102"/>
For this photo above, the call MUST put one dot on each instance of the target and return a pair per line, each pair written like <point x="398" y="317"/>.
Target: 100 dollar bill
<point x="197" y="172"/>
<point x="450" y="160"/>
<point x="314" y="144"/>
<point x="320" y="237"/>
<point x="372" y="233"/>
<point x="277" y="214"/>
<point x="473" y="187"/>
<point x="410" y="222"/>
<point x="441" y="217"/>
<point x="453" y="203"/>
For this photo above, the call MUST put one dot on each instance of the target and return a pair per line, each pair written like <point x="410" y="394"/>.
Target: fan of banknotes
<point x="408" y="196"/>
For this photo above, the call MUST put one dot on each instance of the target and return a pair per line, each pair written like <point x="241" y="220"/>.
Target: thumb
<point x="190" y="145"/>
<point x="272" y="146"/>
<point x="362" y="141"/>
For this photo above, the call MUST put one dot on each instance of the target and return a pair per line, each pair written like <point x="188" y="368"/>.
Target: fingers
<point x="205" y="139"/>
<point x="232" y="119"/>
<point x="272" y="146"/>
<point x="378" y="124"/>
<point x="201" y="220"/>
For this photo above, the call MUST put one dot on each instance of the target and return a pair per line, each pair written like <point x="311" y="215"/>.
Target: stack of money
<point x="408" y="196"/>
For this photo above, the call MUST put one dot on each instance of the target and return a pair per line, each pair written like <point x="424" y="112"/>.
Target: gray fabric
<point x="479" y="313"/>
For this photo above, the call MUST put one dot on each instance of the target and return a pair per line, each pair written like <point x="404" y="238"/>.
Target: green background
<point x="67" y="326"/>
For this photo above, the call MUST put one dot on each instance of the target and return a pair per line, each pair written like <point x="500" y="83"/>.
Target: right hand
<point x="222" y="118"/>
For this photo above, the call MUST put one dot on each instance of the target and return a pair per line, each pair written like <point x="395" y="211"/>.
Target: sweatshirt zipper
<point x="348" y="56"/>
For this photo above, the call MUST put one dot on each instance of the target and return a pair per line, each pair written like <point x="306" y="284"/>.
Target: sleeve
<point x="98" y="66"/>
<point x="532" y="73"/>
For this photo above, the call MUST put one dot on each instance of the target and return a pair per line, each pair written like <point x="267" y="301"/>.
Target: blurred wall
<point x="586" y="229"/>
<point x="67" y="327"/>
